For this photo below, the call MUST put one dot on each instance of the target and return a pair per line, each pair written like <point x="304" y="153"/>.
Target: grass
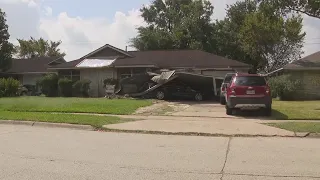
<point x="296" y="110"/>
<point x="312" y="127"/>
<point x="72" y="105"/>
<point x="95" y="121"/>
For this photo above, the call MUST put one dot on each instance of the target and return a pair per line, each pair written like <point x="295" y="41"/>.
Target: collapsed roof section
<point x="95" y="63"/>
<point x="199" y="82"/>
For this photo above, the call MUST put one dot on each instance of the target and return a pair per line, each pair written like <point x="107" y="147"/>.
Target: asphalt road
<point x="54" y="153"/>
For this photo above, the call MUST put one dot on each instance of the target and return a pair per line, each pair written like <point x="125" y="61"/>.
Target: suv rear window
<point x="250" y="81"/>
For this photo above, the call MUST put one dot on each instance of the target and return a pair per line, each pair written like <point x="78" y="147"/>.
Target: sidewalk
<point x="214" y="126"/>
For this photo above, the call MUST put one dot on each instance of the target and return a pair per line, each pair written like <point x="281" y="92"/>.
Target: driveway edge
<point x="194" y="133"/>
<point x="90" y="128"/>
<point x="49" y="125"/>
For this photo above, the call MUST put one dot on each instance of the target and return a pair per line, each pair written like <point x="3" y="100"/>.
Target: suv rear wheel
<point x="268" y="111"/>
<point x="228" y="110"/>
<point x="222" y="100"/>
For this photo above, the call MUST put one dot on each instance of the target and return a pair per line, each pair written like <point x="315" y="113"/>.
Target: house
<point x="111" y="62"/>
<point x="28" y="71"/>
<point x="307" y="70"/>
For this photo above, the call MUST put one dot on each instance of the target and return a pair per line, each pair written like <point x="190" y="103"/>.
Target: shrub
<point x="65" y="87"/>
<point x="2" y="87"/>
<point x="49" y="85"/>
<point x="284" y="87"/>
<point x="9" y="87"/>
<point x="81" y="88"/>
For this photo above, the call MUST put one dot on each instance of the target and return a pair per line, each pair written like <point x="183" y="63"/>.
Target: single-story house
<point x="111" y="62"/>
<point x="28" y="71"/>
<point x="307" y="70"/>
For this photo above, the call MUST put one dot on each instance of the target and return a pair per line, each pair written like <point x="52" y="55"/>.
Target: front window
<point x="74" y="75"/>
<point x="250" y="81"/>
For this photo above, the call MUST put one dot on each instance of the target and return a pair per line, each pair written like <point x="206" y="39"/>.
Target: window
<point x="74" y="75"/>
<point x="129" y="72"/>
<point x="124" y="72"/>
<point x="250" y="81"/>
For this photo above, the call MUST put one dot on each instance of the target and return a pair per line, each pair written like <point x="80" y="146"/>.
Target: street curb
<point x="192" y="133"/>
<point x="17" y="122"/>
<point x="90" y="128"/>
<point x="49" y="125"/>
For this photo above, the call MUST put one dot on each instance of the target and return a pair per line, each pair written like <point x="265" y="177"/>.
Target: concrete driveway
<point x="205" y="117"/>
<point x="201" y="109"/>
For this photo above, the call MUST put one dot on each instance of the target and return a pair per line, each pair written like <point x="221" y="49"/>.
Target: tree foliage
<point x="176" y="24"/>
<point x="254" y="32"/>
<point x="308" y="7"/>
<point x="227" y="31"/>
<point x="38" y="48"/>
<point x="271" y="40"/>
<point x="6" y="48"/>
<point x="260" y="35"/>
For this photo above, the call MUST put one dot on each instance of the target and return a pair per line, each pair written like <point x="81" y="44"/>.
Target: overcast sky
<point x="84" y="25"/>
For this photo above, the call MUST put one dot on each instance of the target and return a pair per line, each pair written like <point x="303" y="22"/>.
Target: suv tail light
<point x="267" y="90"/>
<point x="233" y="92"/>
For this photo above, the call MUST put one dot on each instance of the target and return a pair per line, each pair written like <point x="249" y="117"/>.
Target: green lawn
<point x="95" y="121"/>
<point x="312" y="127"/>
<point x="296" y="110"/>
<point x="72" y="105"/>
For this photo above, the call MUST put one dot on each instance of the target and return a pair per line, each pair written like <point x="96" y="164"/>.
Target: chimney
<point x="126" y="48"/>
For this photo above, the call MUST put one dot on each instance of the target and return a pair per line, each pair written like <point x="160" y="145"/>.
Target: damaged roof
<point x="158" y="58"/>
<point x="178" y="59"/>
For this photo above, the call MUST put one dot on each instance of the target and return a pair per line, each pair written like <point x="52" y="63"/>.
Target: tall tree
<point x="38" y="48"/>
<point x="259" y="34"/>
<point x="308" y="7"/>
<point x="176" y="24"/>
<point x="270" y="39"/>
<point x="226" y="34"/>
<point x="6" y="48"/>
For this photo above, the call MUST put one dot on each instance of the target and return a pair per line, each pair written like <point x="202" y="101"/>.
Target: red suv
<point x="248" y="91"/>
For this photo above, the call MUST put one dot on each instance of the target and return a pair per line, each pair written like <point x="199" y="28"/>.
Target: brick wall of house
<point x="310" y="89"/>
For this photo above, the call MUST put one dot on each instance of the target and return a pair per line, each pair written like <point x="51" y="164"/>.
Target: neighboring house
<point x="28" y="71"/>
<point x="307" y="70"/>
<point x="111" y="62"/>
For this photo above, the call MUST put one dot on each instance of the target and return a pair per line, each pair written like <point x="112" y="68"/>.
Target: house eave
<point x="24" y="72"/>
<point x="302" y="68"/>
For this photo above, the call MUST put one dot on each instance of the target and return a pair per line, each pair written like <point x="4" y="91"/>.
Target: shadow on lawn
<point x="276" y="115"/>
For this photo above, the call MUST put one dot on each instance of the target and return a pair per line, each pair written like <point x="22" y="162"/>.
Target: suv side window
<point x="250" y="81"/>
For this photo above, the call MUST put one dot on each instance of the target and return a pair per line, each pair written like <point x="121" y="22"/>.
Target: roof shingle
<point x="32" y="65"/>
<point x="170" y="59"/>
<point x="311" y="61"/>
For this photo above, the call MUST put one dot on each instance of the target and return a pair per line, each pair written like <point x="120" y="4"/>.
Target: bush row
<point x="53" y="86"/>
<point x="284" y="87"/>
<point x="9" y="87"/>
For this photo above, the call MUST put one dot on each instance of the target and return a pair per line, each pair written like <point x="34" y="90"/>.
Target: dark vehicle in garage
<point x="178" y="90"/>
<point x="248" y="92"/>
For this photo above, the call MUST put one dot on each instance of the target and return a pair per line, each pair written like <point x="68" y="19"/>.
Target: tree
<point x="226" y="31"/>
<point x="176" y="24"/>
<point x="6" y="48"/>
<point x="38" y="48"/>
<point x="270" y="39"/>
<point x="260" y="35"/>
<point x="308" y="7"/>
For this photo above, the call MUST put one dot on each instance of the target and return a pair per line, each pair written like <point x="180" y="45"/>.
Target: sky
<point x="85" y="25"/>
